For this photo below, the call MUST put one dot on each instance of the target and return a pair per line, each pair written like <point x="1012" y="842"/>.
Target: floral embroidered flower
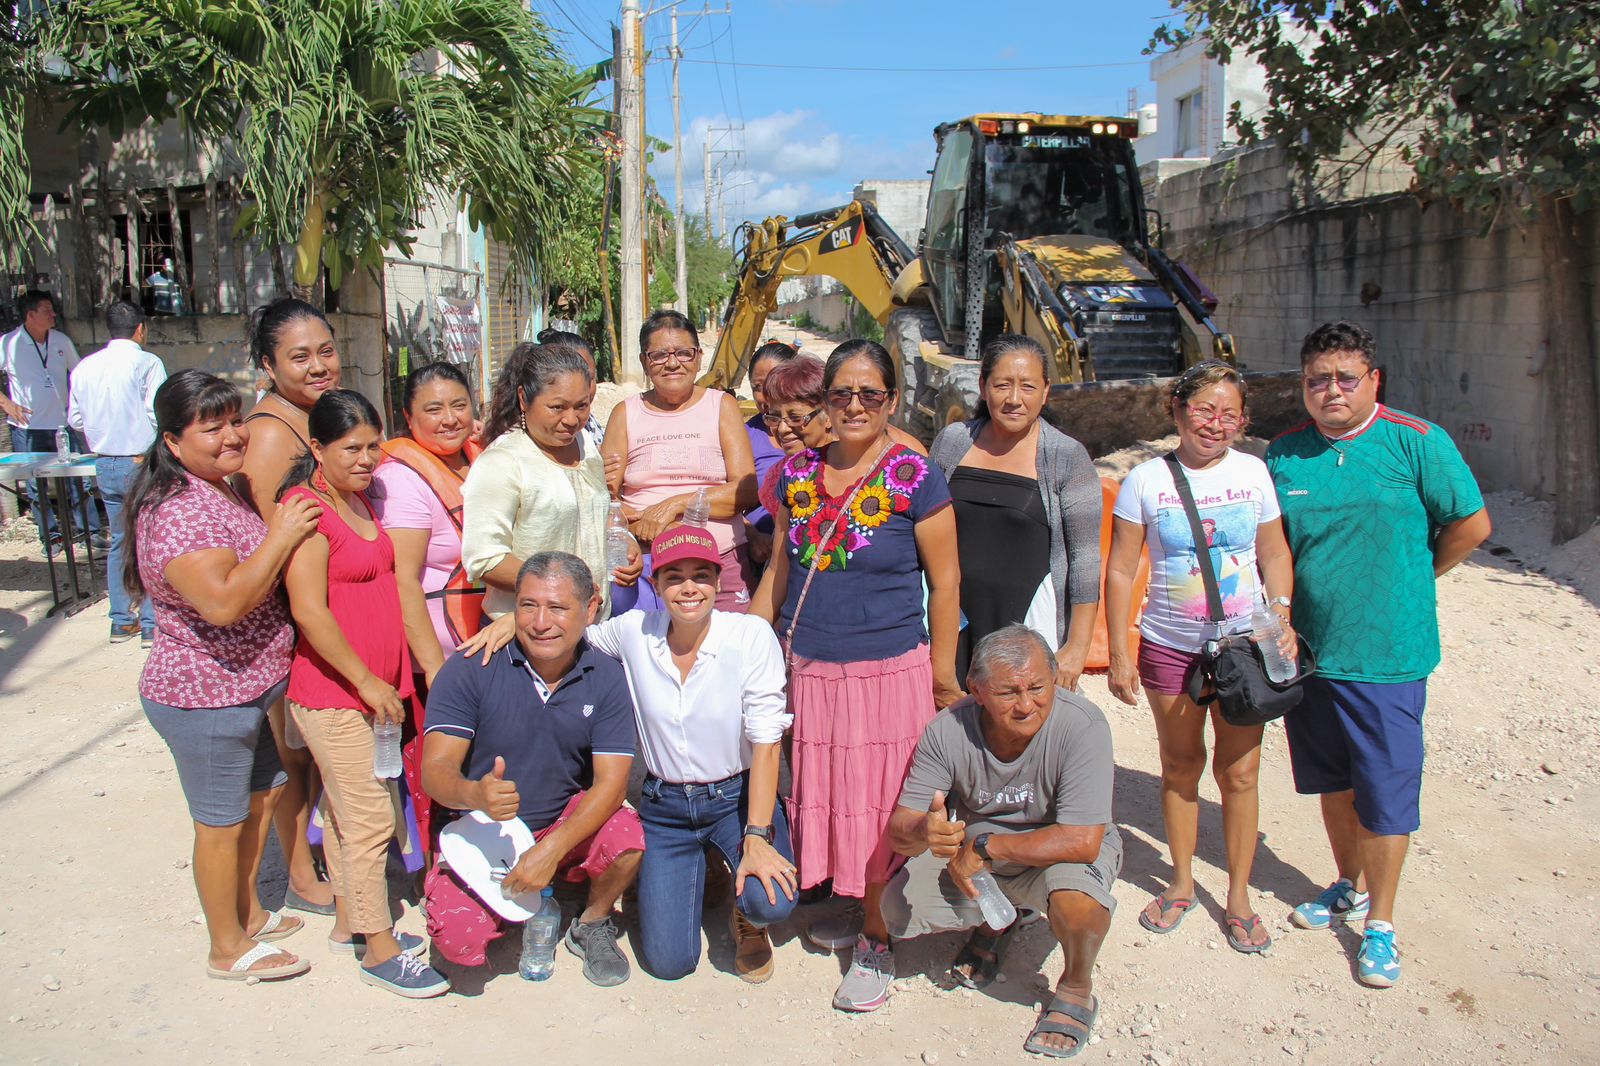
<point x="801" y="464"/>
<point x="873" y="506"/>
<point x="802" y="498"/>
<point x="906" y="471"/>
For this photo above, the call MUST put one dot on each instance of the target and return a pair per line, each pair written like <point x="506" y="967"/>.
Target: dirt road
<point x="104" y="952"/>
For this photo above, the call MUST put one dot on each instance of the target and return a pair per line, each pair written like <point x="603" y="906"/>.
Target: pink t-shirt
<point x="677" y="452"/>
<point x="401" y="499"/>
<point x="194" y="663"/>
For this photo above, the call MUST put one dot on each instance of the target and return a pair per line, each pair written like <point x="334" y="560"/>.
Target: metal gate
<point x="435" y="313"/>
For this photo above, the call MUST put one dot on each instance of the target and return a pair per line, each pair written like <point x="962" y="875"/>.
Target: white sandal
<point x="241" y="971"/>
<point x="276" y="927"/>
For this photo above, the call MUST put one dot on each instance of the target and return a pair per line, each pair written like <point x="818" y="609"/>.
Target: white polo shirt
<point x="113" y="398"/>
<point x="700" y="729"/>
<point x="38" y="375"/>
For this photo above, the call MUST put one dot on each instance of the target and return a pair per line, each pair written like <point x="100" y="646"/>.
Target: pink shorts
<point x="462" y="927"/>
<point x="1166" y="670"/>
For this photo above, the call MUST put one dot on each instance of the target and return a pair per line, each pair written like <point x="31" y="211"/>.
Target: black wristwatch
<point x="980" y="844"/>
<point x="762" y="831"/>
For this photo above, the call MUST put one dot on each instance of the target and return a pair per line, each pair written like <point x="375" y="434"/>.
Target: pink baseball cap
<point x="678" y="543"/>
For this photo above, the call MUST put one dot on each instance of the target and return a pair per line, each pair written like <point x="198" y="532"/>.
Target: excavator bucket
<point x="1108" y="415"/>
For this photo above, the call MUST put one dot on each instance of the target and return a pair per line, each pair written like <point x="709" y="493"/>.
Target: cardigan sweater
<point x="1072" y="503"/>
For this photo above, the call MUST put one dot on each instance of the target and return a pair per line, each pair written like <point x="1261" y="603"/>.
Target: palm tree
<point x="347" y="116"/>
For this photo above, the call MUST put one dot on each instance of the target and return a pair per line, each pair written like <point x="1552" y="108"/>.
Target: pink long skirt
<point x="855" y="728"/>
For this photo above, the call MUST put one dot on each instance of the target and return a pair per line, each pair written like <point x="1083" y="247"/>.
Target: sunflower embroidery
<point x="802" y="498"/>
<point x="906" y="471"/>
<point x="873" y="506"/>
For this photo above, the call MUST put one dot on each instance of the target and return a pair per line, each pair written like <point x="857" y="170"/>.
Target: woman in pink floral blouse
<point x="221" y="654"/>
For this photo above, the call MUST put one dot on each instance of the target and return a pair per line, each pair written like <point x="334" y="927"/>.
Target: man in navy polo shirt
<point x="545" y="732"/>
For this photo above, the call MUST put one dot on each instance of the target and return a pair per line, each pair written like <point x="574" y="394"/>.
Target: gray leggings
<point x="223" y="754"/>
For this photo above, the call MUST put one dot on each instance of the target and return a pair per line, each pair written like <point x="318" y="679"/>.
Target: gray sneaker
<point x="866" y="984"/>
<point x="595" y="943"/>
<point x="838" y="930"/>
<point x="410" y="943"/>
<point x="407" y="976"/>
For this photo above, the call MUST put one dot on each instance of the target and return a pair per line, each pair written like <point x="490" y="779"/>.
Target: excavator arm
<point x="851" y="242"/>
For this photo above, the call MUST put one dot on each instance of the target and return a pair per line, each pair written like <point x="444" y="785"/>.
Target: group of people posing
<point x="807" y="587"/>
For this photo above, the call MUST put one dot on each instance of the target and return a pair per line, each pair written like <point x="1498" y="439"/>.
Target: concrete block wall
<point x="1457" y="314"/>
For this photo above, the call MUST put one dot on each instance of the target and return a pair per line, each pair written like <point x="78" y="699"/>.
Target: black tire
<point x="903" y="335"/>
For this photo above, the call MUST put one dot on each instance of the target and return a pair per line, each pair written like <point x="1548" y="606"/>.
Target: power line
<point x="920" y="70"/>
<point x="606" y="48"/>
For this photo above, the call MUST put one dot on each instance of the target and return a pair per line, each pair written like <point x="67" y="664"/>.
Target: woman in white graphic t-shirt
<point x="1244" y="539"/>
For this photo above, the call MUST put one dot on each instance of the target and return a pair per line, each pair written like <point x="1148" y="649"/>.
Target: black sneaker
<point x="595" y="943"/>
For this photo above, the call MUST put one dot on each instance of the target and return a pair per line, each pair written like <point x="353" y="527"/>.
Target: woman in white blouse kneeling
<point x="708" y="692"/>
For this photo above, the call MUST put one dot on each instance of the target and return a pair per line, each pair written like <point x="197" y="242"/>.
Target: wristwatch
<point x="762" y="831"/>
<point x="980" y="844"/>
<point x="1281" y="601"/>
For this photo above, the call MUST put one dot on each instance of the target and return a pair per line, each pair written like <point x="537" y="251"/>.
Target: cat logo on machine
<point x="1113" y="294"/>
<point x="841" y="238"/>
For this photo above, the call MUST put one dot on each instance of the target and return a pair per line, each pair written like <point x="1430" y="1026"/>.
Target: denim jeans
<point x="115" y="475"/>
<point x="679" y="821"/>
<point x="43" y="508"/>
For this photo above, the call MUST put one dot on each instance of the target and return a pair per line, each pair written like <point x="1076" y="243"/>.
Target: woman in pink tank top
<point x="674" y="439"/>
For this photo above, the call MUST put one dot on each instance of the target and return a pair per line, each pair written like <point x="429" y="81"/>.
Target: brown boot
<point x="752" y="950"/>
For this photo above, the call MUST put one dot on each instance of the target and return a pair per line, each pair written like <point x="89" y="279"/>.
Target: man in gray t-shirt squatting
<point x="1028" y="767"/>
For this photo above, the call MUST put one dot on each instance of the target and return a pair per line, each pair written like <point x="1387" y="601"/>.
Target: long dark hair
<point x="267" y="324"/>
<point x="332" y="417"/>
<point x="996" y="350"/>
<point x="870" y="350"/>
<point x="187" y="397"/>
<point x="531" y="368"/>
<point x="665" y="318"/>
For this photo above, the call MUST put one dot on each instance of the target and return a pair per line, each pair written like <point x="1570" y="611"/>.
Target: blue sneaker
<point x="408" y="977"/>
<point x="1378" y="963"/>
<point x="1339" y="902"/>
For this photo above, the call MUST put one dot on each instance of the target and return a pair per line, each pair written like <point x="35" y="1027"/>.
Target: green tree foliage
<point x="1496" y="106"/>
<point x="347" y="116"/>
<point x="19" y="74"/>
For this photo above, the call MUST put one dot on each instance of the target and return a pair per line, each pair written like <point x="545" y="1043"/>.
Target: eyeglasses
<point x="1204" y="416"/>
<point x="796" y="424"/>
<point x="1346" y="382"/>
<point x="662" y="356"/>
<point x="871" y="399"/>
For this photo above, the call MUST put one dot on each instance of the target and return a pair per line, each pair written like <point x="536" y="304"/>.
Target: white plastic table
<point x="57" y="473"/>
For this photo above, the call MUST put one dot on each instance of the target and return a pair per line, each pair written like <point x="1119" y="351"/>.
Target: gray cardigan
<point x="1072" y="505"/>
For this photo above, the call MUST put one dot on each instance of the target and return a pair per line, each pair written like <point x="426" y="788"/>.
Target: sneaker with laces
<point x="407" y="976"/>
<point x="866" y="984"/>
<point x="595" y="943"/>
<point x="410" y="943"/>
<point x="1378" y="962"/>
<point x="1339" y="902"/>
<point x="119" y="634"/>
<point x="752" y="950"/>
<point x="838" y="930"/>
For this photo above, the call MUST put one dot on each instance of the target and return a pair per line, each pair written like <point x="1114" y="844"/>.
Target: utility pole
<point x="720" y="152"/>
<point x="682" y="280"/>
<point x="629" y="371"/>
<point x="705" y="170"/>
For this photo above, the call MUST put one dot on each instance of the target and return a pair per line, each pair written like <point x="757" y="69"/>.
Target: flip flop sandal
<point x="1163" y="904"/>
<point x="1080" y="1028"/>
<point x="981" y="970"/>
<point x="277" y="927"/>
<point x="241" y="971"/>
<point x="1248" y="927"/>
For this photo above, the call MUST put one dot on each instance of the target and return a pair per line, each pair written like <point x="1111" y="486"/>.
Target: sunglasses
<point x="1346" y="382"/>
<point x="661" y="356"/>
<point x="871" y="399"/>
<point x="796" y="424"/>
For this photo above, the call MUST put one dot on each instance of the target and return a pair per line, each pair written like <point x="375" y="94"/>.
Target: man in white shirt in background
<point x="37" y="360"/>
<point x="112" y="403"/>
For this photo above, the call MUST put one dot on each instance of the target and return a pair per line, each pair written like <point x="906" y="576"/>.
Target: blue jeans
<point x="679" y="821"/>
<point x="44" y="511"/>
<point x="115" y="475"/>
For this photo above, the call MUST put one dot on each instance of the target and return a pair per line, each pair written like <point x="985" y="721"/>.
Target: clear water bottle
<point x="385" y="749"/>
<point x="618" y="540"/>
<point x="1265" y="629"/>
<point x="998" y="913"/>
<point x="698" y="513"/>
<point x="63" y="444"/>
<point x="539" y="936"/>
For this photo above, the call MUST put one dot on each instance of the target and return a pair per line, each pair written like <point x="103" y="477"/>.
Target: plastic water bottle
<point x="698" y="513"/>
<point x="63" y="444"/>
<point x="1265" y="629"/>
<point x="998" y="913"/>
<point x="619" y="542"/>
<point x="539" y="936"/>
<point x="385" y="749"/>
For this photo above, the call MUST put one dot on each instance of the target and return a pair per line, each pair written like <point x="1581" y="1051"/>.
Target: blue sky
<point x="811" y="133"/>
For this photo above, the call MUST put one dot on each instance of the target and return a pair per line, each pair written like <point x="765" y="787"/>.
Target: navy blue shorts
<point x="1364" y="736"/>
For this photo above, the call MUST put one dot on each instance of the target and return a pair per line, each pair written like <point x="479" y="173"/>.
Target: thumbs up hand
<point x="498" y="797"/>
<point x="944" y="837"/>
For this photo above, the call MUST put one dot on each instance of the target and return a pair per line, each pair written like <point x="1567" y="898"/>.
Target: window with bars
<point x="156" y="270"/>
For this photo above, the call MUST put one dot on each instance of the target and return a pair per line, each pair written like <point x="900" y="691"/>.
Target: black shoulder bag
<point x="1231" y="673"/>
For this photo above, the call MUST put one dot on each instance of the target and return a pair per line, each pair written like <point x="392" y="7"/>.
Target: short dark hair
<point x="777" y="351"/>
<point x="123" y="319"/>
<point x="665" y="318"/>
<point x="439" y="370"/>
<point x="32" y="299"/>
<point x="1341" y="336"/>
<point x="560" y="564"/>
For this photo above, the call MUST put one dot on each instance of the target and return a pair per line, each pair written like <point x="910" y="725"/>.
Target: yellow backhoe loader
<point x="1036" y="224"/>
